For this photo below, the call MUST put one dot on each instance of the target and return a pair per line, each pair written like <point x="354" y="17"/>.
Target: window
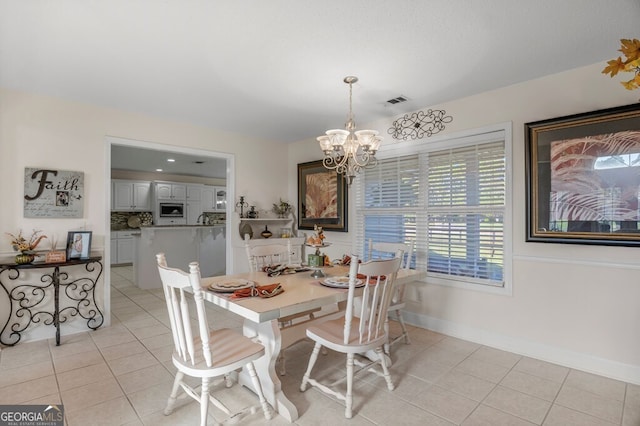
<point x="450" y="197"/>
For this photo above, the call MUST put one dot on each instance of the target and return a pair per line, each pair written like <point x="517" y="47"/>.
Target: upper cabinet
<point x="194" y="192"/>
<point x="221" y="198"/>
<point x="171" y="191"/>
<point x="214" y="198"/>
<point x="194" y="204"/>
<point x="129" y="195"/>
<point x="208" y="198"/>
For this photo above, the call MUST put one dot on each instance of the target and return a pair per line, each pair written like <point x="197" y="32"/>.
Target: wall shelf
<point x="257" y="225"/>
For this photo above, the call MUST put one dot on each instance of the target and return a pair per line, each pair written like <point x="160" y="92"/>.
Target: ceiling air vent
<point x="397" y="100"/>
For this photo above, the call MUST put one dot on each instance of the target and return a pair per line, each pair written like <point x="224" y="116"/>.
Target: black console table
<point x="27" y="300"/>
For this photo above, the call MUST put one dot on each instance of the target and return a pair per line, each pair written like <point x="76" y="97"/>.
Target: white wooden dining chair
<point x="265" y="255"/>
<point x="361" y="329"/>
<point x="262" y="255"/>
<point x="210" y="355"/>
<point x="383" y="249"/>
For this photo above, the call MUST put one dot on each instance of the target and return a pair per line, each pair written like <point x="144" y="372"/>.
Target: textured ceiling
<point x="274" y="69"/>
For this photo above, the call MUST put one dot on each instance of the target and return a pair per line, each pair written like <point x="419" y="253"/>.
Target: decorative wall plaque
<point x="419" y="124"/>
<point x="53" y="193"/>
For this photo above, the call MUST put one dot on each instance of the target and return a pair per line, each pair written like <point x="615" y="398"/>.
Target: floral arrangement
<point x="631" y="50"/>
<point x="282" y="208"/>
<point x="21" y="244"/>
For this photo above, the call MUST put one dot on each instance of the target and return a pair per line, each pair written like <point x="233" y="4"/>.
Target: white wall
<point x="39" y="131"/>
<point x="576" y="305"/>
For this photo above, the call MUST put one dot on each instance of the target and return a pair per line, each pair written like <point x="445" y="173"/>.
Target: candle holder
<point x="242" y="204"/>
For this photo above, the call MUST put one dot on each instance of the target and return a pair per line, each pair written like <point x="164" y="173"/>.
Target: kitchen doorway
<point x="141" y="159"/>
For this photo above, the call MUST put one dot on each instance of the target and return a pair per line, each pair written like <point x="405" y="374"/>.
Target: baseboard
<point x="579" y="361"/>
<point x="46" y="332"/>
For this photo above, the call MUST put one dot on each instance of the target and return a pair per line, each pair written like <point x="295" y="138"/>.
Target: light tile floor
<point x="122" y="374"/>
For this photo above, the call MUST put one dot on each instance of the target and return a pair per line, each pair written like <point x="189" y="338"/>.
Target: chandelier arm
<point x="365" y="157"/>
<point x="332" y="162"/>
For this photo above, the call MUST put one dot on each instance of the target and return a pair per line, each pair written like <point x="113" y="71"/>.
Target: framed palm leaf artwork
<point x="583" y="178"/>
<point x="322" y="197"/>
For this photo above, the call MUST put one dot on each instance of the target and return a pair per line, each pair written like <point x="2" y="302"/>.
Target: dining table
<point x="302" y="293"/>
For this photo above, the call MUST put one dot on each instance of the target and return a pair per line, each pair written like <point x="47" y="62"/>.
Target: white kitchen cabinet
<point x="194" y="203"/>
<point x="171" y="191"/>
<point x="121" y="247"/>
<point x="194" y="210"/>
<point x="131" y="195"/>
<point x="125" y="250"/>
<point x="194" y="192"/>
<point x="114" y="249"/>
<point x="208" y="198"/>
<point x="214" y="198"/>
<point x="221" y="198"/>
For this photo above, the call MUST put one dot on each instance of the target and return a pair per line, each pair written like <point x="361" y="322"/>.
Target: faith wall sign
<point x="53" y="193"/>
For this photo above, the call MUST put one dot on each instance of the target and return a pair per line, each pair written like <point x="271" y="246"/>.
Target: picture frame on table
<point x="322" y="198"/>
<point x="583" y="178"/>
<point x="78" y="244"/>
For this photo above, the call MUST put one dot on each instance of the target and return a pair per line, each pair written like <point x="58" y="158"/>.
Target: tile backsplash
<point x="119" y="219"/>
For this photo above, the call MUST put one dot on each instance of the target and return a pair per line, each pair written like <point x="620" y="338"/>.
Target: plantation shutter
<point x="451" y="202"/>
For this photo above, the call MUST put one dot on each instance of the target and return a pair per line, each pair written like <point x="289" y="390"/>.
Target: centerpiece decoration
<point x="630" y="48"/>
<point x="282" y="208"/>
<point x="25" y="247"/>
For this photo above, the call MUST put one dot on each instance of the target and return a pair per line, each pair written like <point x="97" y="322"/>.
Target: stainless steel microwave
<point x="171" y="210"/>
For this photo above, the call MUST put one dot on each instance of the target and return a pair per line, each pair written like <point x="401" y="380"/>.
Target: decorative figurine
<point x="252" y="213"/>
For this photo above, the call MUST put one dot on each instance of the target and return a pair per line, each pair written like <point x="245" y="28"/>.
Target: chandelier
<point x="347" y="151"/>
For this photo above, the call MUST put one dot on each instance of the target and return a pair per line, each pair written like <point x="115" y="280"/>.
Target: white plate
<point x="340" y="282"/>
<point x="229" y="286"/>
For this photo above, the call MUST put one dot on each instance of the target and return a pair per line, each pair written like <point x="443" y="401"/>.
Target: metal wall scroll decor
<point x="419" y="124"/>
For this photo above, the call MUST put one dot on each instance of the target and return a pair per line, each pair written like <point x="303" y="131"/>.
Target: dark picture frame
<point x="78" y="244"/>
<point x="322" y="198"/>
<point x="583" y="178"/>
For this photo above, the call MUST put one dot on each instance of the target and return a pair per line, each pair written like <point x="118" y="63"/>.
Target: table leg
<point x="268" y="333"/>
<point x="56" y="303"/>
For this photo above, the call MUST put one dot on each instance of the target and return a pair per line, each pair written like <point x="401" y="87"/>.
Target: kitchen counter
<point x="181" y="244"/>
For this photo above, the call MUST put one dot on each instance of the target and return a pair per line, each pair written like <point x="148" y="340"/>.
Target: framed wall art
<point x="78" y="244"/>
<point x="53" y="193"/>
<point x="322" y="198"/>
<point x="583" y="178"/>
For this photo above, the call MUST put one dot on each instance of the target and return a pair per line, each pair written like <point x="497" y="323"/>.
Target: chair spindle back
<point x="175" y="283"/>
<point x="377" y="294"/>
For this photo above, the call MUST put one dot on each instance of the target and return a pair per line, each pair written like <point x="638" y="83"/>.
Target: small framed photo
<point x="78" y="244"/>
